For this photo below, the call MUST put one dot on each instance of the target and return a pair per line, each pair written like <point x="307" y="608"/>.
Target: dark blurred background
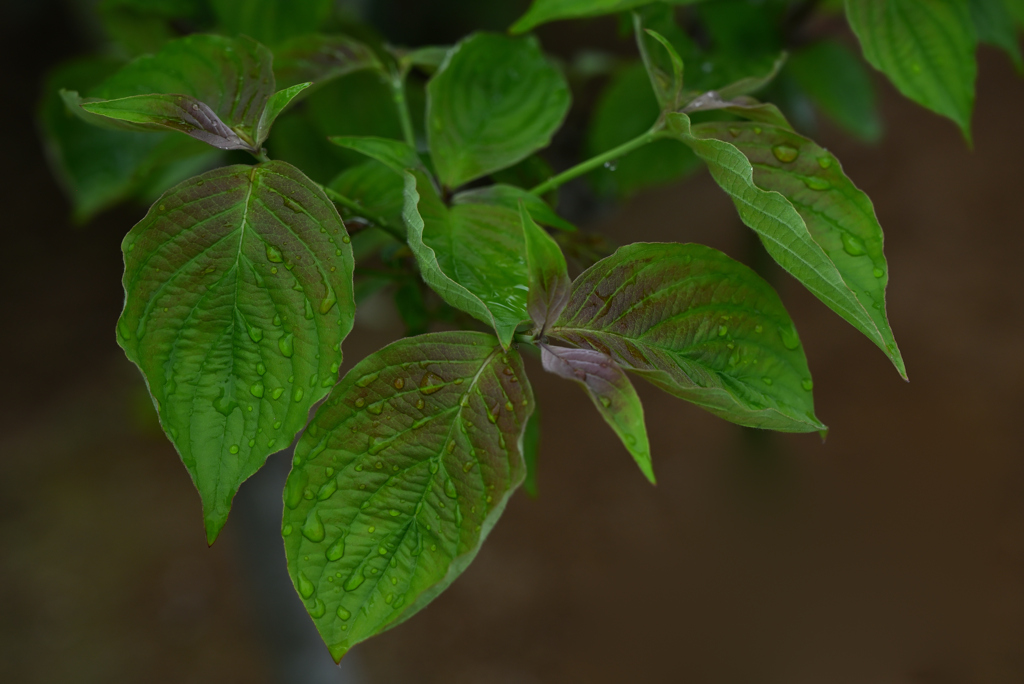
<point x="892" y="554"/>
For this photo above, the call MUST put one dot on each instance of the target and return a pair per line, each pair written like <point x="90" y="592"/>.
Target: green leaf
<point x="470" y="255"/>
<point x="510" y="196"/>
<point x="698" y="325"/>
<point x="377" y="188"/>
<point x="277" y="103"/>
<point x="80" y="154"/>
<point x="238" y="294"/>
<point x="298" y="141"/>
<point x="399" y="479"/>
<point x="668" y="88"/>
<point x="804" y="216"/>
<point x="838" y="82"/>
<point x="993" y="24"/>
<point x="394" y="154"/>
<point x="231" y="77"/>
<point x="321" y="58"/>
<point x="543" y="11"/>
<point x="548" y="274"/>
<point x="612" y="393"/>
<point x="428" y="58"/>
<point x="626" y="109"/>
<point x="495" y="101"/>
<point x="271" y="21"/>
<point x="925" y="47"/>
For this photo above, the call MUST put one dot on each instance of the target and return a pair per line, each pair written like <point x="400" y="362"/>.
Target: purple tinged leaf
<point x="612" y="393"/>
<point x="180" y="113"/>
<point x="238" y="294"/>
<point x="548" y="274"/>
<point x="698" y="325"/>
<point x="399" y="479"/>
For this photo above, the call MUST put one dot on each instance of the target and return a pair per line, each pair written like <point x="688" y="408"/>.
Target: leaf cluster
<point x="418" y="172"/>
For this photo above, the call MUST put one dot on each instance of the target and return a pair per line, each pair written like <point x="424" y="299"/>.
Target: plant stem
<point x="601" y="159"/>
<point x="398" y="95"/>
<point x="261" y="156"/>
<point x="358" y="210"/>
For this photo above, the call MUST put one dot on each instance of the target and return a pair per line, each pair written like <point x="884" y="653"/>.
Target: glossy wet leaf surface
<point x="400" y="477"/>
<point x="698" y="325"/>
<point x="838" y="215"/>
<point x="850" y="287"/>
<point x="613" y="395"/>
<point x="238" y="295"/>
<point x="925" y="47"/>
<point x="495" y="101"/>
<point x="472" y="255"/>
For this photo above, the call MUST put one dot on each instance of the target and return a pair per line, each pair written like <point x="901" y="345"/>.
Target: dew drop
<point x="420" y="404"/>
<point x="824" y="162"/>
<point x="766" y="380"/>
<point x="274" y="254"/>
<point x="327" y="490"/>
<point x="360" y="402"/>
<point x="260" y="368"/>
<point x="343" y="614"/>
<point x="878" y="273"/>
<point x="790" y="340"/>
<point x="123" y="330"/>
<point x="294" y="487"/>
<point x="353" y="582"/>
<point x="277" y="424"/>
<point x="328" y="302"/>
<point x="431" y="383"/>
<point x="286" y="344"/>
<point x="815" y="183"/>
<point x="399" y="383"/>
<point x="376" y="408"/>
<point x="785" y="153"/>
<point x="293" y="205"/>
<point x="606" y="402"/>
<point x="336" y="550"/>
<point x="233" y="449"/>
<point x="469" y="466"/>
<point x="318" y="609"/>
<point x="807" y="385"/>
<point x="297" y="395"/>
<point x="276" y="393"/>
<point x="313" y="529"/>
<point x="286" y="530"/>
<point x="305" y="587"/>
<point x="853" y="245"/>
<point x="734" y="132"/>
<point x="449" y="489"/>
<point x="257" y="389"/>
<point x="367" y="379"/>
<point x="723" y="330"/>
